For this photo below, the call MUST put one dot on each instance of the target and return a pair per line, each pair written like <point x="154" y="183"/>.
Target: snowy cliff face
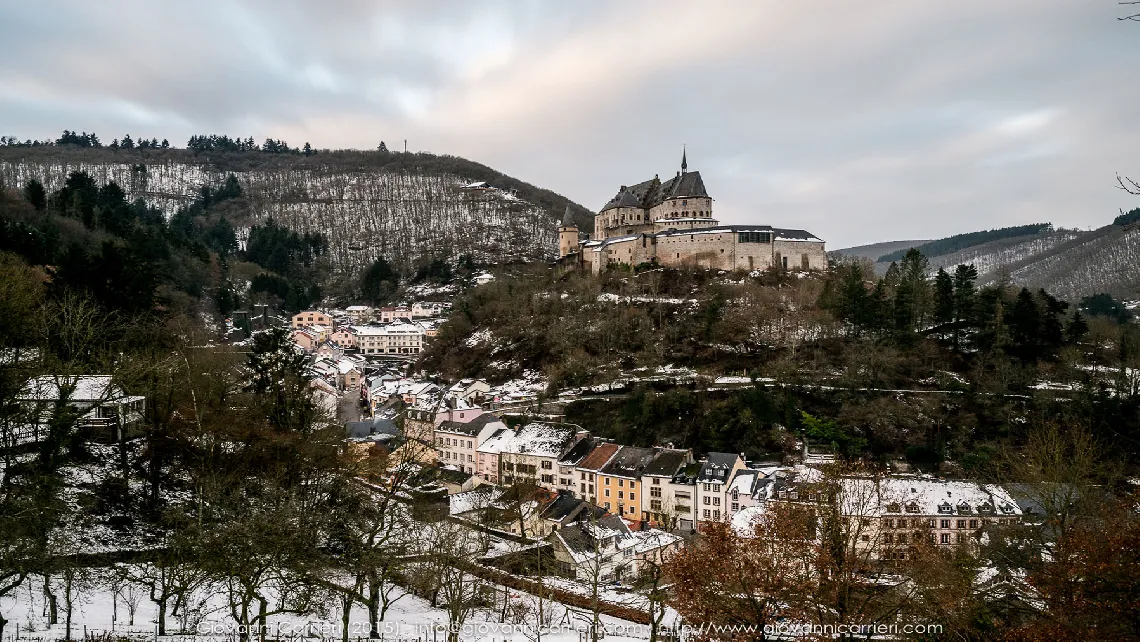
<point x="363" y="213"/>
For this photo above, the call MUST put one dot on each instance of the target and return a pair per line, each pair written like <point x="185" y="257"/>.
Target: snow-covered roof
<point x="916" y="495"/>
<point x="87" y="388"/>
<point x="539" y="440"/>
<point x="744" y="521"/>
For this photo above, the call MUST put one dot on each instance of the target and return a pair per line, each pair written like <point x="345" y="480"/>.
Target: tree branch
<point x="1123" y="182"/>
<point x="1134" y="17"/>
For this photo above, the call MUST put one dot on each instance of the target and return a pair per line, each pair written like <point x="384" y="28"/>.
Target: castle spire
<point x="684" y="161"/>
<point x="568" y="218"/>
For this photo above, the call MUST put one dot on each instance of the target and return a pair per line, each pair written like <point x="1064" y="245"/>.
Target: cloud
<point x="858" y="121"/>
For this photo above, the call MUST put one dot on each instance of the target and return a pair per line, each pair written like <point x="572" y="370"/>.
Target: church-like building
<point x="670" y="223"/>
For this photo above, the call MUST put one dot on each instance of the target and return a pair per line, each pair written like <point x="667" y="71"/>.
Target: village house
<point x="716" y="471"/>
<point x="620" y="482"/>
<point x="359" y="314"/>
<point x="589" y="467"/>
<point x="101" y="407"/>
<point x="310" y="318"/>
<point x="345" y="337"/>
<point x="487" y="454"/>
<point x="532" y="454"/>
<point x="427" y="309"/>
<point x="470" y="390"/>
<point x="392" y="314"/>
<point x="567" y="464"/>
<point x="329" y="349"/>
<point x="665" y="503"/>
<point x="350" y="374"/>
<point x="457" y="441"/>
<point x="898" y="512"/>
<point x="597" y="550"/>
<point x="422" y="418"/>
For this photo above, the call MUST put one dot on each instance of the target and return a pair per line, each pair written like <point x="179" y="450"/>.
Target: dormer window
<point x="892" y="508"/>
<point x="912" y="507"/>
<point x="945" y="507"/>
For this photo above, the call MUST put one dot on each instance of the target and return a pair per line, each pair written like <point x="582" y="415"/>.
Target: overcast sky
<point x="858" y="121"/>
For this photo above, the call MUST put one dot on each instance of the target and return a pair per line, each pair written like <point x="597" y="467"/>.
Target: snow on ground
<point x="408" y="618"/>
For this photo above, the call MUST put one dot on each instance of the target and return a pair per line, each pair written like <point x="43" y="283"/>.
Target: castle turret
<point x="567" y="235"/>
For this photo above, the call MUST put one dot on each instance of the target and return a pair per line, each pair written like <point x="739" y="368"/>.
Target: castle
<point x="670" y="223"/>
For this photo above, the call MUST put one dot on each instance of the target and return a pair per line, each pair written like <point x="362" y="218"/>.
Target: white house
<point x="457" y="441"/>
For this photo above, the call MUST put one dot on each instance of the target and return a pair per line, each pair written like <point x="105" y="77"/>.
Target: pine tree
<point x="383" y="149"/>
<point x="127" y="142"/>
<point x="943" y="298"/>
<point x="35" y="194"/>
<point x="308" y="149"/>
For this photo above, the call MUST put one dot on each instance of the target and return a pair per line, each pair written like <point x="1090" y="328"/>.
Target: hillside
<point x="875" y="250"/>
<point x="1068" y="263"/>
<point x="403" y="206"/>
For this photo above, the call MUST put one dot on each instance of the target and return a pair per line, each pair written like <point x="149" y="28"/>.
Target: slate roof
<point x="667" y="462"/>
<point x="579" y="451"/>
<point x="630" y="462"/>
<point x="780" y="233"/>
<point x="653" y="191"/>
<point x="599" y="457"/>
<point x="470" y="428"/>
<point x="716" y="467"/>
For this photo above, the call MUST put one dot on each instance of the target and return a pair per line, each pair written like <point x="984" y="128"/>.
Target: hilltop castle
<point x="670" y="222"/>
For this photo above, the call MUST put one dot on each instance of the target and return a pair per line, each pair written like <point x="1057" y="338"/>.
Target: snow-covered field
<point x="99" y="612"/>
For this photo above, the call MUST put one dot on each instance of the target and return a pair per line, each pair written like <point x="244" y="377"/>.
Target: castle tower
<point x="684" y="160"/>
<point x="567" y="235"/>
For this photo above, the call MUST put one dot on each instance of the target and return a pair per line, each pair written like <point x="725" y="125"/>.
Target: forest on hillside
<point x="939" y="372"/>
<point x="407" y="207"/>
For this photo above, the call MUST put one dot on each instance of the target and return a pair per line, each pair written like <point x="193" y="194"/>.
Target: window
<point x="607" y="492"/>
<point x="655" y="504"/>
<point x="621" y="494"/>
<point x="973" y="523"/>
<point x="607" y="504"/>
<point x="607" y="481"/>
<point x="583" y="488"/>
<point x="754" y="237"/>
<point x="621" y="482"/>
<point x="716" y="514"/>
<point x="945" y="523"/>
<point x="548" y="479"/>
<point x="902" y="538"/>
<point x="888" y="539"/>
<point x="961" y="523"/>
<point x="716" y="501"/>
<point x="931" y="523"/>
<point x="707" y="500"/>
<point x="655" y="491"/>
<point x="591" y="489"/>
<point x="546" y="465"/>
<point x="583" y="476"/>
<point x="632" y="497"/>
<point x="656" y="481"/>
<point x="889" y="523"/>
<point x="945" y="538"/>
<point x="735" y="506"/>
<point x="706" y="513"/>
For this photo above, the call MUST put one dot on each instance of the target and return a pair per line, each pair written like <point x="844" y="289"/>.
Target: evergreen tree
<point x="1077" y="328"/>
<point x="1025" y="326"/>
<point x="943" y="298"/>
<point x="35" y="194"/>
<point x="165" y="144"/>
<point x="383" y="149"/>
<point x="308" y="149"/>
<point x="127" y="142"/>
